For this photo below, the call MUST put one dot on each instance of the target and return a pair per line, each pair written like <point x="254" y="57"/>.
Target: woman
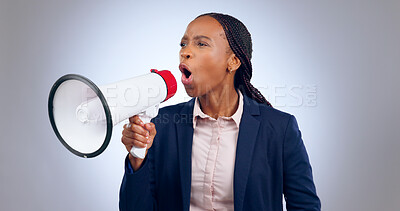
<point x="227" y="148"/>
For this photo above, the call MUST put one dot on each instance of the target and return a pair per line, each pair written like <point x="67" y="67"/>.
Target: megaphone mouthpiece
<point x="170" y="82"/>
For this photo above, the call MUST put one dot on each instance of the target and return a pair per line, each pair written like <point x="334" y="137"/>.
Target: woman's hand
<point x="138" y="135"/>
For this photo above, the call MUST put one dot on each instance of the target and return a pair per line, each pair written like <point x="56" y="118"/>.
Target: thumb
<point x="151" y="128"/>
<point x="136" y="120"/>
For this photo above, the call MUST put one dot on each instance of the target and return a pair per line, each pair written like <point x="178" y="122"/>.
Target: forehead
<point x="205" y="25"/>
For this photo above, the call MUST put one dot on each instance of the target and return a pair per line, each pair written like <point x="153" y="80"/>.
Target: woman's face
<point x="204" y="57"/>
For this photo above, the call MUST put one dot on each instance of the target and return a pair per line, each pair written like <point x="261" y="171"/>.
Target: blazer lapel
<point x="247" y="137"/>
<point x="184" y="130"/>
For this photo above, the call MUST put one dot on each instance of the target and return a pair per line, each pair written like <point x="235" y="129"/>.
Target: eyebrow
<point x="197" y="37"/>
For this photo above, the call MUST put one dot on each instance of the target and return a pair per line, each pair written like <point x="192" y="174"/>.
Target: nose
<point x="186" y="54"/>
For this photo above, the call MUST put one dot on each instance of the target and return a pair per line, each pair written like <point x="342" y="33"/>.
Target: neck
<point x="220" y="103"/>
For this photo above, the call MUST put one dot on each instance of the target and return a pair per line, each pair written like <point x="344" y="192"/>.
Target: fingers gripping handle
<point x="140" y="152"/>
<point x="146" y="117"/>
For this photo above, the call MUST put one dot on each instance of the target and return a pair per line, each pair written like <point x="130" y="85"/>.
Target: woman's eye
<point x="201" y="44"/>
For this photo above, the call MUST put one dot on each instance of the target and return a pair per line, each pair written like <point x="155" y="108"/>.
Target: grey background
<point x="333" y="64"/>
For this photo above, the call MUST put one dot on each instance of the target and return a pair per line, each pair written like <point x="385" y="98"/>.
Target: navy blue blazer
<point x="271" y="160"/>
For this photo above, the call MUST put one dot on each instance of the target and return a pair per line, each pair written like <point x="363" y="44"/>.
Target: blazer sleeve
<point x="137" y="188"/>
<point x="298" y="185"/>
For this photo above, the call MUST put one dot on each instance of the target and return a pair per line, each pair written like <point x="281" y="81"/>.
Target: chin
<point x="191" y="92"/>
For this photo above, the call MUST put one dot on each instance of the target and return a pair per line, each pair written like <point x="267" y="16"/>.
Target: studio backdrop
<point x="333" y="64"/>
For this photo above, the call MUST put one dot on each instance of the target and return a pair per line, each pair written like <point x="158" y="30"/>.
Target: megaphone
<point x="82" y="114"/>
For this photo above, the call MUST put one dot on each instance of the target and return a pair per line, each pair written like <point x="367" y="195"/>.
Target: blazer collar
<point x="248" y="131"/>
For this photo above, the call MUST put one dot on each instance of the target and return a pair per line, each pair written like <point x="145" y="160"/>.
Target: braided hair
<point x="239" y="40"/>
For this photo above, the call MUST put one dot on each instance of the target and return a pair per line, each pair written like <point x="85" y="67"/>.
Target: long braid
<point x="239" y="40"/>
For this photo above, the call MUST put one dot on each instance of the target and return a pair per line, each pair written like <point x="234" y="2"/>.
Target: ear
<point x="233" y="63"/>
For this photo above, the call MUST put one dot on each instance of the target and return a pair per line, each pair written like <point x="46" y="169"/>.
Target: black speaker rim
<point x="96" y="89"/>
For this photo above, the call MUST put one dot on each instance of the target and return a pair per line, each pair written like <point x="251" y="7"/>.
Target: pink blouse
<point x="213" y="159"/>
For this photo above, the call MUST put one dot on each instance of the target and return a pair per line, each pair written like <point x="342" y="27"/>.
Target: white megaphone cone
<point x="82" y="114"/>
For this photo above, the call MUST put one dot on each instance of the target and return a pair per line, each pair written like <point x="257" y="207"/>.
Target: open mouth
<point x="185" y="70"/>
<point x="186" y="74"/>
